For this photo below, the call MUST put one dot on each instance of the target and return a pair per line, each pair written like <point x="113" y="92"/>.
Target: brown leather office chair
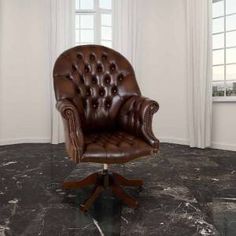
<point x="106" y="119"/>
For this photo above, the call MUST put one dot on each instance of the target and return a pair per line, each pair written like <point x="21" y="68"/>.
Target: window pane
<point x="218" y="57"/>
<point x="105" y="4"/>
<point x="231" y="88"/>
<point x="107" y="43"/>
<point x="106" y="19"/>
<point x="218" y="25"/>
<point x="218" y="41"/>
<point x="77" y="36"/>
<point x="86" y="21"/>
<point x="231" y="72"/>
<point x="218" y="73"/>
<point x="77" y="21"/>
<point x="86" y="4"/>
<point x="230" y="6"/>
<point x="77" y="4"/>
<point x="106" y="33"/>
<point x="231" y="22"/>
<point x="218" y="8"/>
<point x="218" y="89"/>
<point x="87" y="36"/>
<point x="231" y="55"/>
<point x="231" y="39"/>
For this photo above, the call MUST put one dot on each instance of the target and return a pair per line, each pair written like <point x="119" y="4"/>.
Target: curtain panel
<point x="125" y="28"/>
<point x="61" y="38"/>
<point x="199" y="72"/>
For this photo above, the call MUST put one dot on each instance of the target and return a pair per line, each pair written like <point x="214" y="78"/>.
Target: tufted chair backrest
<point x="97" y="80"/>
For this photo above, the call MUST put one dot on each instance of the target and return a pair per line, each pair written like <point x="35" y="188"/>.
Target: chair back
<point x="97" y="80"/>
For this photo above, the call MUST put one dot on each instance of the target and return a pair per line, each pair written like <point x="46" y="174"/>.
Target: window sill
<point x="224" y="99"/>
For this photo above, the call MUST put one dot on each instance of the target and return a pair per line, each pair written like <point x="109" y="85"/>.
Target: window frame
<point x="97" y="11"/>
<point x="224" y="98"/>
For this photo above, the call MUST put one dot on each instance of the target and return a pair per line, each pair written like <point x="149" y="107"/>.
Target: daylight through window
<point x="224" y="48"/>
<point x="93" y="22"/>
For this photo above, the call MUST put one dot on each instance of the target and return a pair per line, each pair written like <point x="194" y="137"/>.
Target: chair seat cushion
<point x="114" y="147"/>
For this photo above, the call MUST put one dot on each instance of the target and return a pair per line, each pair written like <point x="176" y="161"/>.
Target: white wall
<point x="161" y="69"/>
<point x="24" y="87"/>
<point x="224" y="126"/>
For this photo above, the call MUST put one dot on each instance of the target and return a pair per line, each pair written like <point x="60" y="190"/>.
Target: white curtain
<point x="199" y="102"/>
<point x="125" y="28"/>
<point x="62" y="38"/>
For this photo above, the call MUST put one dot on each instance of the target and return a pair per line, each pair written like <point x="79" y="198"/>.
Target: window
<point x="93" y="22"/>
<point x="224" y="48"/>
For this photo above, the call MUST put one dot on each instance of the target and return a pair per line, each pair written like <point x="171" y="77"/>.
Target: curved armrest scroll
<point x="72" y="126"/>
<point x="136" y="117"/>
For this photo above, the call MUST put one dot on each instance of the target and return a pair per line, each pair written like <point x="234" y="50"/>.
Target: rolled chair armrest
<point x="136" y="117"/>
<point x="72" y="126"/>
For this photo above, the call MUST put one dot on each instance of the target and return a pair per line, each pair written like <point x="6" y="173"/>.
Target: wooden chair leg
<point x="127" y="182"/>
<point x="95" y="194"/>
<point x="89" y="180"/>
<point x="120" y="193"/>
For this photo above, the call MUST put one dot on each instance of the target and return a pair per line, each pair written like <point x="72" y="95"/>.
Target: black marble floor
<point x="187" y="192"/>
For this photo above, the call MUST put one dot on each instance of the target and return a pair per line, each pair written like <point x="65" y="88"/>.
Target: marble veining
<point x="187" y="192"/>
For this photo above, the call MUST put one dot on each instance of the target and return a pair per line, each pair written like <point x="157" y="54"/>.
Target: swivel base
<point x="104" y="180"/>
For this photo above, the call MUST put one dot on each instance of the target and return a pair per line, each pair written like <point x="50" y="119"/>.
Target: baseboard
<point x="173" y="140"/>
<point x="222" y="146"/>
<point x="24" y="140"/>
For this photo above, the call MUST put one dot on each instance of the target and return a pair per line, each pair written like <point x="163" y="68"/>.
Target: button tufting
<point x="102" y="92"/>
<point x="81" y="79"/>
<point x="95" y="104"/>
<point x="92" y="57"/>
<point x="107" y="79"/>
<point x="87" y="68"/>
<point x="120" y="77"/>
<point x="104" y="56"/>
<point x="112" y="67"/>
<point x="80" y="56"/>
<point x="88" y="91"/>
<point x="108" y="103"/>
<point x="114" y="90"/>
<point x="94" y="79"/>
<point x="74" y="67"/>
<point x="99" y="68"/>
<point x="84" y="104"/>
<point x="101" y="85"/>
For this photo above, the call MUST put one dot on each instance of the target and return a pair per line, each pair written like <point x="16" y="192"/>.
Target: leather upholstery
<point x="106" y="119"/>
<point x="97" y="80"/>
<point x="114" y="147"/>
<point x="136" y="118"/>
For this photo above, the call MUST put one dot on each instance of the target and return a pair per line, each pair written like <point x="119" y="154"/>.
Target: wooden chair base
<point x="101" y="181"/>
